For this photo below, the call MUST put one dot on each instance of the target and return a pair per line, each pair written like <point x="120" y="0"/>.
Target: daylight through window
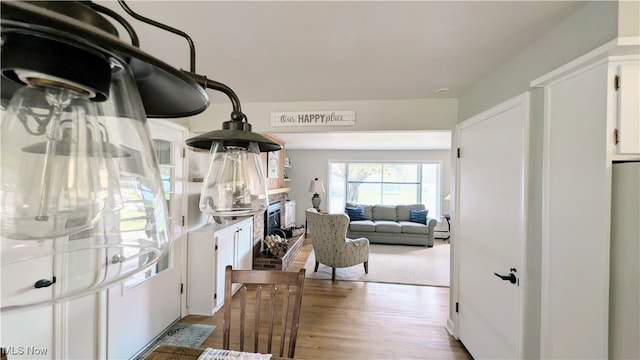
<point x="384" y="183"/>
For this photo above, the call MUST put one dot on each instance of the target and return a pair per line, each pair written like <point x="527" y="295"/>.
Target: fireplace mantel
<point x="278" y="191"/>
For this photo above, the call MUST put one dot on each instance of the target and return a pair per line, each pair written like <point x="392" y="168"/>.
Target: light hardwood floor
<point x="356" y="320"/>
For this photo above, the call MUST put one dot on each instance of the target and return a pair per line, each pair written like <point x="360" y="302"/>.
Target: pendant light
<point x="75" y="147"/>
<point x="234" y="184"/>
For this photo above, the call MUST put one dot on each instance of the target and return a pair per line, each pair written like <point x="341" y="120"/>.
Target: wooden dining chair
<point x="273" y="293"/>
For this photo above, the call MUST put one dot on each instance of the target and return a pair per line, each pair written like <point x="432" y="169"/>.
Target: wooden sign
<point x="314" y="118"/>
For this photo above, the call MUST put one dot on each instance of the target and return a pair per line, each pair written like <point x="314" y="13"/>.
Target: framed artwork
<point x="273" y="164"/>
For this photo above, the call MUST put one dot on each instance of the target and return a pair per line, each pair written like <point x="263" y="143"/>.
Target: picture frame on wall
<point x="273" y="164"/>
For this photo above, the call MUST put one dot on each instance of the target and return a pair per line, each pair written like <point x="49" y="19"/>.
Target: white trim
<point x="617" y="47"/>
<point x="550" y="263"/>
<point x="451" y="328"/>
<point x="544" y="246"/>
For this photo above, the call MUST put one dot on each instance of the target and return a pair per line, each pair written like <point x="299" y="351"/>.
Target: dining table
<point x="170" y="352"/>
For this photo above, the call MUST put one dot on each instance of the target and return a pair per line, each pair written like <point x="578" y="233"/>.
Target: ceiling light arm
<point x="236" y="114"/>
<point x="192" y="48"/>
<point x="135" y="41"/>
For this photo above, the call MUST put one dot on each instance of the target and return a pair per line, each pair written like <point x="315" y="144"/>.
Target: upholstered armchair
<point x="331" y="245"/>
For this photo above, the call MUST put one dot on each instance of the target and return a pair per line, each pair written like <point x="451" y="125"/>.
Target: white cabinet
<point x="289" y="213"/>
<point x="210" y="249"/>
<point x="583" y="110"/>
<point x="627" y="84"/>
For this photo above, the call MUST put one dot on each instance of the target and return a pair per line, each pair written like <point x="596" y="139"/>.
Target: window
<point x="384" y="183"/>
<point x="137" y="217"/>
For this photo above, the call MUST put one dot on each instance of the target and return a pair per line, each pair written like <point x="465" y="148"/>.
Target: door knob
<point x="511" y="277"/>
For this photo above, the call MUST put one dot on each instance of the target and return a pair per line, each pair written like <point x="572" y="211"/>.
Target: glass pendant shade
<point x="54" y="172"/>
<point x="125" y="228"/>
<point x="235" y="183"/>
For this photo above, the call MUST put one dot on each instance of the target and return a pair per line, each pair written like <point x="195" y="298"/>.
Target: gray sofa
<point x="385" y="224"/>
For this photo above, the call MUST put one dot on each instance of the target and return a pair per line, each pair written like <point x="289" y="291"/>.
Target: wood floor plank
<point x="359" y="320"/>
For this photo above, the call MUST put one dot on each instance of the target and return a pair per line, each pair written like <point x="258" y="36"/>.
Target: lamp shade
<point x="316" y="186"/>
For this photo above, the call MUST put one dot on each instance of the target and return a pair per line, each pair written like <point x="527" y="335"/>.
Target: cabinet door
<point x="225" y="239"/>
<point x="244" y="254"/>
<point x="628" y="109"/>
<point x="200" y="273"/>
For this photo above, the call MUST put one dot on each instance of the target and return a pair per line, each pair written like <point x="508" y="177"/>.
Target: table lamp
<point x="315" y="187"/>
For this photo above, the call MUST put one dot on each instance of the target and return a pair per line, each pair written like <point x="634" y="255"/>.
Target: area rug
<point x="394" y="264"/>
<point x="187" y="335"/>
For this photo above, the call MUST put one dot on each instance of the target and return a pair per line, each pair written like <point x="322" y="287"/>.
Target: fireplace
<point x="262" y="259"/>
<point x="272" y="219"/>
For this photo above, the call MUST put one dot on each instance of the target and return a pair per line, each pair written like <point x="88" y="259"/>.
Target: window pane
<point x="337" y="186"/>
<point x="363" y="193"/>
<point x="387" y="184"/>
<point x="163" y="151"/>
<point x="398" y="194"/>
<point x="407" y="173"/>
<point x="431" y="188"/>
<point x="368" y="172"/>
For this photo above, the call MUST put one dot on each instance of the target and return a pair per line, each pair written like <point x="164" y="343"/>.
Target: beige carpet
<point x="394" y="264"/>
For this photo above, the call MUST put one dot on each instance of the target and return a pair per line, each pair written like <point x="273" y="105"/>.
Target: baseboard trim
<point x="451" y="328"/>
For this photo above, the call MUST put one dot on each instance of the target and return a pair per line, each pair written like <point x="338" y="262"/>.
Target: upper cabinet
<point x="626" y="85"/>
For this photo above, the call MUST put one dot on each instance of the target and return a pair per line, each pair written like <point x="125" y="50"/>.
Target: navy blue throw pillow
<point x="355" y="213"/>
<point x="418" y="216"/>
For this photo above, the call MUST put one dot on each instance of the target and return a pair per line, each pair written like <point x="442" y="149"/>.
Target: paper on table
<point x="217" y="354"/>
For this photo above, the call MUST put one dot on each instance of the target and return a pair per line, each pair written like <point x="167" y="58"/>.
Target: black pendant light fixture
<point x="70" y="90"/>
<point x="234" y="184"/>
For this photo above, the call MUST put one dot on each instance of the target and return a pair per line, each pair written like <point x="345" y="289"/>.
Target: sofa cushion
<point x="418" y="216"/>
<point x="383" y="212"/>
<point x="362" y="225"/>
<point x="386" y="226"/>
<point x="409" y="227"/>
<point x="403" y="211"/>
<point x="355" y="213"/>
<point x="367" y="210"/>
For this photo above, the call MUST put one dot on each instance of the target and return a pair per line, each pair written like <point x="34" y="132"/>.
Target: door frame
<point x="520" y="100"/>
<point x="184" y="202"/>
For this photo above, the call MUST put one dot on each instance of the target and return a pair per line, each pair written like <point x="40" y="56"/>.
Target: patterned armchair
<point x="330" y="244"/>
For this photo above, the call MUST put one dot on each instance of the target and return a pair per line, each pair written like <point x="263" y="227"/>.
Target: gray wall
<point x="591" y="26"/>
<point x="372" y="115"/>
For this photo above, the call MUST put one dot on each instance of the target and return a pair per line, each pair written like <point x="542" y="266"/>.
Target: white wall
<point x="309" y="164"/>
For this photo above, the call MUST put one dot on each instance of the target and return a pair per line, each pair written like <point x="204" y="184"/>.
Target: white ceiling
<point x="271" y="51"/>
<point x="291" y="51"/>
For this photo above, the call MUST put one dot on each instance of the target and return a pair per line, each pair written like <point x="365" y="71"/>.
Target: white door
<point x="490" y="229"/>
<point x="143" y="306"/>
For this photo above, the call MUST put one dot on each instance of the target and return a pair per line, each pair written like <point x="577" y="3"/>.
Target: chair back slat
<point x="279" y="293"/>
<point x="284" y="321"/>
<point x="243" y="314"/>
<point x="256" y="325"/>
<point x="273" y="292"/>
